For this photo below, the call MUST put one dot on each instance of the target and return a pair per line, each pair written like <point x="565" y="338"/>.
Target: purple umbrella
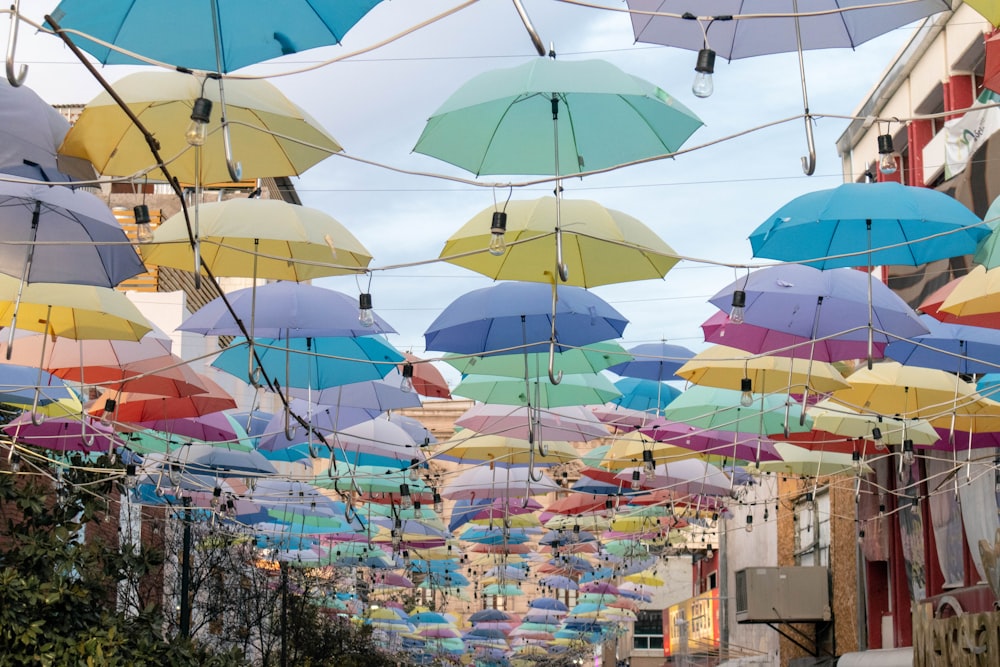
<point x="323" y="418"/>
<point x="211" y="427"/>
<point x="736" y="445"/>
<point x="63" y="434"/>
<point x="383" y="394"/>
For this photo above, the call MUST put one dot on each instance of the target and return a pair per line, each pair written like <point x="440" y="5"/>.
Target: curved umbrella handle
<point x="531" y="473"/>
<point x="15" y="80"/>
<point x="36" y="418"/>
<point x="809" y="161"/>
<point x="235" y="168"/>
<point x="561" y="267"/>
<point x="553" y="378"/>
<point x="290" y="428"/>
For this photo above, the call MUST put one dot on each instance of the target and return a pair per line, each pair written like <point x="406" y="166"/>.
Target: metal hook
<point x="553" y="378"/>
<point x="289" y="428"/>
<point x="235" y="168"/>
<point x="15" y="21"/>
<point x="809" y="161"/>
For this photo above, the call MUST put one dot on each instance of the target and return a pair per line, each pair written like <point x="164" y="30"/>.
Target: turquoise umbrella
<point x="572" y="390"/>
<point x="587" y="359"/>
<point x="720" y="409"/>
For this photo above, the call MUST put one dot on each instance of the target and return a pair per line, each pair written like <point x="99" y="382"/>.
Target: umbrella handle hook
<point x="289" y="427"/>
<point x="553" y="378"/>
<point x="809" y="161"/>
<point x="235" y="168"/>
<point x="15" y="80"/>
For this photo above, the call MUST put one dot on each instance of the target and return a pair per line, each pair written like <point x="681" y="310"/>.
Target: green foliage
<point x="57" y="590"/>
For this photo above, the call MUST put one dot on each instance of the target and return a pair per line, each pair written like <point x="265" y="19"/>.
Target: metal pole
<point x="284" y="615"/>
<point x="186" y="571"/>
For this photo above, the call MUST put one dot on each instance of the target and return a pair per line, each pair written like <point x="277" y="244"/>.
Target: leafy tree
<point x="59" y="571"/>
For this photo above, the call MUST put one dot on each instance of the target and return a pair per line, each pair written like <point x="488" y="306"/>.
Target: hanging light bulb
<point x="877" y="437"/>
<point x="406" y="384"/>
<point x="746" y="397"/>
<point x="14" y="460"/>
<point x="861" y="536"/>
<point x="810" y="501"/>
<point x="749" y="526"/>
<point x="888" y="161"/>
<point x="497" y="230"/>
<point x="856" y="461"/>
<point x="414" y="470"/>
<point x="130" y="476"/>
<point x="109" y="411"/>
<point x="418" y="512"/>
<point x="739" y="306"/>
<point x="405" y="501"/>
<point x="365" y="315"/>
<point x="397" y="540"/>
<point x="609" y="507"/>
<point x="704" y="67"/>
<point x="216" y="494"/>
<point x="438" y="503"/>
<point x="648" y="465"/>
<point x="143" y="229"/>
<point x="201" y="114"/>
<point x="636" y="480"/>
<point x="908" y="456"/>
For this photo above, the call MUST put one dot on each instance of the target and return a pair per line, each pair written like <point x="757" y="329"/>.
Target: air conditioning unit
<point x="782" y="594"/>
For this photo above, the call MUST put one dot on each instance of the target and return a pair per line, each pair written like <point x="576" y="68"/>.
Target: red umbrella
<point x="427" y="380"/>
<point x="136" y="408"/>
<point x="578" y="503"/>
<point x="932" y="304"/>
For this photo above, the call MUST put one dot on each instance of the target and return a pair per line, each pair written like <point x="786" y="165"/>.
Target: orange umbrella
<point x="134" y="407"/>
<point x="932" y="306"/>
<point x="427" y="380"/>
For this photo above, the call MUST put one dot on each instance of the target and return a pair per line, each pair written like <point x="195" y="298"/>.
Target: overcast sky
<point x="704" y="204"/>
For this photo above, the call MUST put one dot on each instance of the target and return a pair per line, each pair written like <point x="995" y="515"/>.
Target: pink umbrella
<point x="63" y="434"/>
<point x="566" y="424"/>
<point x="622" y="419"/>
<point x="497" y="482"/>
<point x="212" y="427"/>
<point x="761" y="340"/>
<point x="393" y="580"/>
<point x="687" y="477"/>
<point x="736" y="445"/>
<point x="599" y="587"/>
<point x="439" y="632"/>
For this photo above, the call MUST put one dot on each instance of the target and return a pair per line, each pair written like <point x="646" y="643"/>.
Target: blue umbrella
<point x="18" y="386"/>
<point x="314" y="362"/>
<point x="248" y="31"/>
<point x="644" y="395"/>
<point x="653" y="361"/>
<point x="550" y="604"/>
<point x="855" y="224"/>
<point x="489" y="319"/>
<point x="950" y="347"/>
<point x="283" y="310"/>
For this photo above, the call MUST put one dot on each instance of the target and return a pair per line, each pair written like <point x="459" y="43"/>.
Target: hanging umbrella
<point x="270" y="136"/>
<point x="284" y="309"/>
<point x="79" y="241"/>
<point x="19" y="385"/>
<point x="956" y="348"/>
<point x="721" y="330"/>
<point x="572" y="390"/>
<point x="221" y="36"/>
<point x="210" y="427"/>
<point x="890" y="388"/>
<point x="605" y="245"/>
<point x="138" y="408"/>
<point x="313" y="362"/>
<point x="568" y="424"/>
<point x="588" y="359"/>
<point x="425" y="379"/>
<point x="324" y="419"/>
<point x="420" y="433"/>
<point x="708" y="442"/>
<point x="649" y="396"/>
<point x="801" y="461"/>
<point x="260" y="238"/>
<point x="219" y="461"/>
<point x="688" y="477"/>
<point x="497" y="482"/>
<point x="975" y="293"/>
<point x="653" y="361"/>
<point x="833" y="418"/>
<point x="727" y="367"/>
<point x="720" y="409"/>
<point x="715" y="30"/>
<point x="63" y="434"/>
<point x="376" y="396"/>
<point x="933" y="304"/>
<point x="466" y="447"/>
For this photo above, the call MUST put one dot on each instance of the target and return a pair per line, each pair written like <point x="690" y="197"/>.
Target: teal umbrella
<point x="587" y="359"/>
<point x="720" y="409"/>
<point x="587" y="114"/>
<point x="572" y="390"/>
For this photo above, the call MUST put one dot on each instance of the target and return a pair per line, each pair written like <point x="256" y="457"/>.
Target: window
<point x="812" y="528"/>
<point x="648" y="630"/>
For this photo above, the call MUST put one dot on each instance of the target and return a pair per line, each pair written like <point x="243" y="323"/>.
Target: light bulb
<point x="109" y="411"/>
<point x="414" y="470"/>
<point x="15" y="461"/>
<point x="201" y="113"/>
<point x="888" y="161"/>
<point x="418" y="512"/>
<point x="609" y="507"/>
<point x="648" y="464"/>
<point x="856" y="461"/>
<point x="810" y="501"/>
<point x="365" y="315"/>
<point x="877" y="437"/>
<point x="705" y="66"/>
<point x="216" y="494"/>
<point x="405" y="501"/>
<point x="143" y="230"/>
<point x="438" y="503"/>
<point x="739" y="305"/>
<point x="746" y="398"/>
<point x="130" y="476"/>
<point x="636" y="480"/>
<point x="749" y="523"/>
<point x="498" y="245"/>
<point x="406" y="384"/>
<point x="908" y="452"/>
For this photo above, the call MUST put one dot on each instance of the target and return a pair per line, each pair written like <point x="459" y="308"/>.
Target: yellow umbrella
<point x="834" y="418"/>
<point x="989" y="9"/>
<point x="890" y="388"/>
<point x="726" y="367"/>
<point x="467" y="446"/>
<point x="975" y="293"/>
<point x="644" y="579"/>
<point x="72" y="311"/>
<point x="270" y="136"/>
<point x="591" y="523"/>
<point x="514" y="521"/>
<point x="626" y="451"/>
<point x="979" y="416"/>
<point x="262" y="238"/>
<point x="600" y="246"/>
<point x="801" y="461"/>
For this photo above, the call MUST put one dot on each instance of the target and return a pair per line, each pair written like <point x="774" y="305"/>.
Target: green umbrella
<point x="720" y="409"/>
<point x="572" y="390"/>
<point x="502" y="121"/>
<point x="504" y="590"/>
<point x="589" y="359"/>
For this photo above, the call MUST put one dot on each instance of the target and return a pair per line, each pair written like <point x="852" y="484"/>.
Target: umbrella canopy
<point x="497" y="482"/>
<point x="139" y="408"/>
<point x="720" y="409"/>
<point x="79" y="241"/>
<point x="270" y="136"/>
<point x="313" y="362"/>
<point x="19" y="385"/>
<point x="890" y="388"/>
<point x="589" y="359"/>
<point x="744" y="38"/>
<point x="569" y="424"/>
<point x="874" y="223"/>
<point x="644" y="395"/>
<point x="467" y="447"/>
<point x="376" y="396"/>
<point x="807" y="302"/>
<point x="219" y="461"/>
<point x="833" y="418"/>
<point x="721" y="330"/>
<point x="956" y="348"/>
<point x="426" y="379"/>
<point x="322" y="418"/>
<point x="490" y="319"/>
<point x="726" y="367"/>
<point x="63" y="434"/>
<point x="501" y="121"/>
<point x="653" y="361"/>
<point x="801" y="461"/>
<point x="932" y="306"/>
<point x="283" y="310"/>
<point x="572" y="390"/>
<point x="975" y="293"/>
<point x="246" y="33"/>
<point x="603" y="245"/>
<point x="71" y="311"/>
<point x="732" y="444"/>
<point x="262" y="238"/>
